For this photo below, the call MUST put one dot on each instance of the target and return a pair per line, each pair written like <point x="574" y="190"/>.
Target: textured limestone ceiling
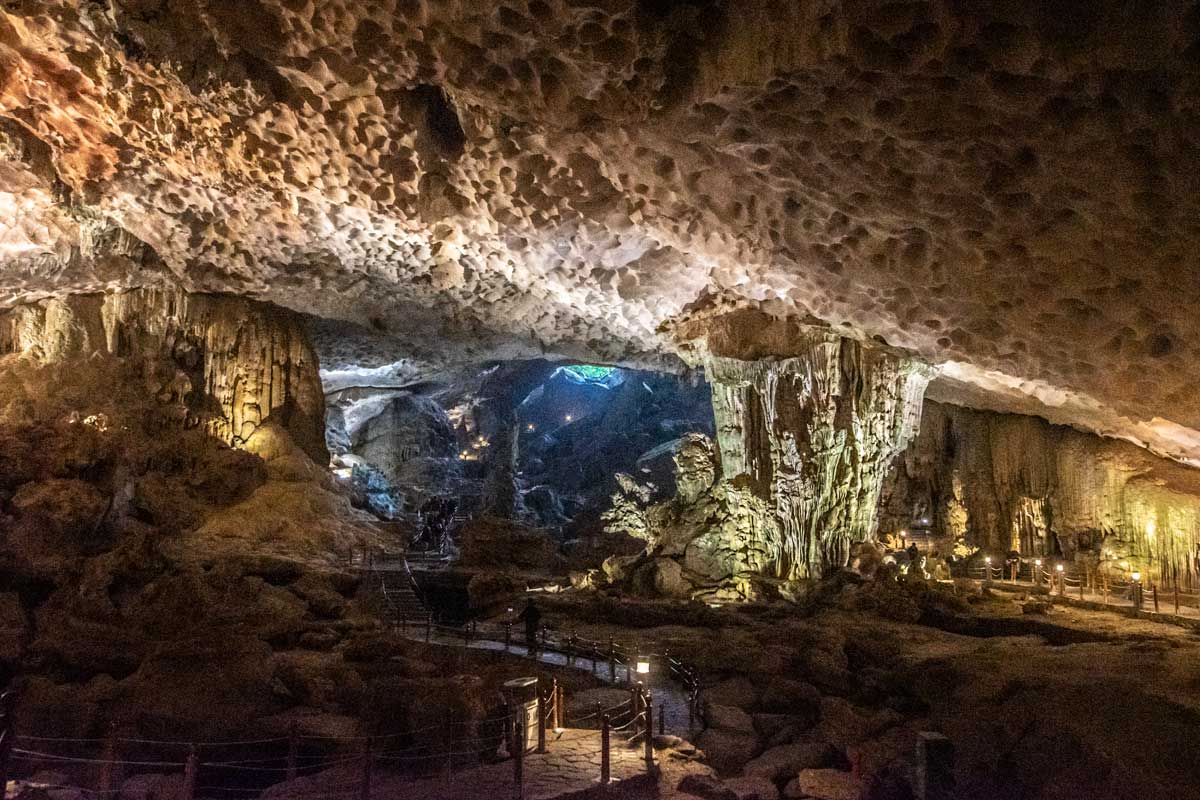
<point x="1009" y="187"/>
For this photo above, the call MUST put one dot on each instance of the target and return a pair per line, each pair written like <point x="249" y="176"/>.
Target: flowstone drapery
<point x="814" y="435"/>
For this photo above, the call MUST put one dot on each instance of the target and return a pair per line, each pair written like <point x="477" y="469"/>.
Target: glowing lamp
<point x="987" y="559"/>
<point x="567" y="417"/>
<point x="643" y="667"/>
<point x="1137" y="576"/>
<point x="1058" y="567"/>
<point x="529" y="426"/>
<point x="1037" y="561"/>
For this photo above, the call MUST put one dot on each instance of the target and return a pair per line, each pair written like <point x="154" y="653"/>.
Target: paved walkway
<point x="570" y="764"/>
<point x="1188" y="615"/>
<point x="670" y="699"/>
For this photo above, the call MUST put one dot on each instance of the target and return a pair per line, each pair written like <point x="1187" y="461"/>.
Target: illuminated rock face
<point x="222" y="362"/>
<point x="1006" y="481"/>
<point x="814" y="435"/>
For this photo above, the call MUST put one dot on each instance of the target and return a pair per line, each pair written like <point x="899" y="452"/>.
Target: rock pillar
<point x="814" y="435"/>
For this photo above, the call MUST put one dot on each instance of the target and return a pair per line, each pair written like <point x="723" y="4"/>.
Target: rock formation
<point x="1005" y="482"/>
<point x="809" y="422"/>
<point x="226" y="364"/>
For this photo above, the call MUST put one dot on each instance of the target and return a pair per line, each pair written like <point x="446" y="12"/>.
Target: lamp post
<point x="987" y="570"/>
<point x="1137" y="591"/>
<point x="1061" y="579"/>
<point x="1037" y="572"/>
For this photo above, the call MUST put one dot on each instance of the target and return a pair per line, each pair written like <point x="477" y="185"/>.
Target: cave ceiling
<point x="1008" y="190"/>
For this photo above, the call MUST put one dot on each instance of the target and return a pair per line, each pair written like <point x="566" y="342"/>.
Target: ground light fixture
<point x="1137" y="576"/>
<point x="643" y="665"/>
<point x="1058" y="567"/>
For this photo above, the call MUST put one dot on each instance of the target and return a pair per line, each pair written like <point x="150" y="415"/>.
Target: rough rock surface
<point x="226" y="364"/>
<point x="814" y="434"/>
<point x="582" y="172"/>
<point x="1005" y="482"/>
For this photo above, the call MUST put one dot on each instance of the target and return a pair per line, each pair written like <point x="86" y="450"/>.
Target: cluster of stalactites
<point x="814" y="435"/>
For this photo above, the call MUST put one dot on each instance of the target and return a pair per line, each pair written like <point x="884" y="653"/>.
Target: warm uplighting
<point x="530" y="427"/>
<point x="987" y="559"/>
<point x="1037" y="561"/>
<point x="1137" y="576"/>
<point x="568" y="418"/>
<point x="1058" y="567"/>
<point x="643" y="667"/>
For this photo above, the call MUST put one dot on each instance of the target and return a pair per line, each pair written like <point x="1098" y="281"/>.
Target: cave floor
<point x="1058" y="701"/>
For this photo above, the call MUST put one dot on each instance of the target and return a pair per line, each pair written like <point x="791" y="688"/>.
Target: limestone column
<point x="814" y="434"/>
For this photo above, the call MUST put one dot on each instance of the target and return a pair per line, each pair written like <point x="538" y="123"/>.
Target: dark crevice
<point x="441" y="127"/>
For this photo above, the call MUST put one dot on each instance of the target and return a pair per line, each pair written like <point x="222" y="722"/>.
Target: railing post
<point x="649" y="703"/>
<point x="1154" y="594"/>
<point x="635" y="702"/>
<point x="1177" y="597"/>
<point x="612" y="661"/>
<point x="935" y="767"/>
<point x="293" y="755"/>
<point x="189" y="774"/>
<point x="555" y="709"/>
<point x="108" y="769"/>
<point x="403" y="624"/>
<point x="368" y="763"/>
<point x="507" y="636"/>
<point x="519" y="721"/>
<point x="541" y="720"/>
<point x="605" y="763"/>
<point x="8" y="705"/>
<point x="428" y="626"/>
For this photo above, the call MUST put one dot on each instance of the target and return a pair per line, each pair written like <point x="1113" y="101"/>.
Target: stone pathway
<point x="570" y="764"/>
<point x="670" y="699"/>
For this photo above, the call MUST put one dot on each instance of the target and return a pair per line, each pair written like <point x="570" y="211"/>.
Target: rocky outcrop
<point x="807" y="422"/>
<point x="222" y="363"/>
<point x="1005" y="482"/>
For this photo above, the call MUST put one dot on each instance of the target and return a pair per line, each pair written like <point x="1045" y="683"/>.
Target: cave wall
<point x="225" y="363"/>
<point x="1008" y="481"/>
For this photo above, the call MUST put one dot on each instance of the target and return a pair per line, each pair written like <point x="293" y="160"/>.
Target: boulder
<point x="777" y="729"/>
<point x="728" y="718"/>
<point x="728" y="751"/>
<point x="789" y="696"/>
<point x="739" y="692"/>
<point x="787" y="761"/>
<point x="752" y="788"/>
<point x="706" y="787"/>
<point x="843" y="725"/>
<point x="827" y="784"/>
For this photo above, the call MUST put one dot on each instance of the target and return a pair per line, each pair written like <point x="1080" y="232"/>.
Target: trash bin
<point x="521" y="695"/>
